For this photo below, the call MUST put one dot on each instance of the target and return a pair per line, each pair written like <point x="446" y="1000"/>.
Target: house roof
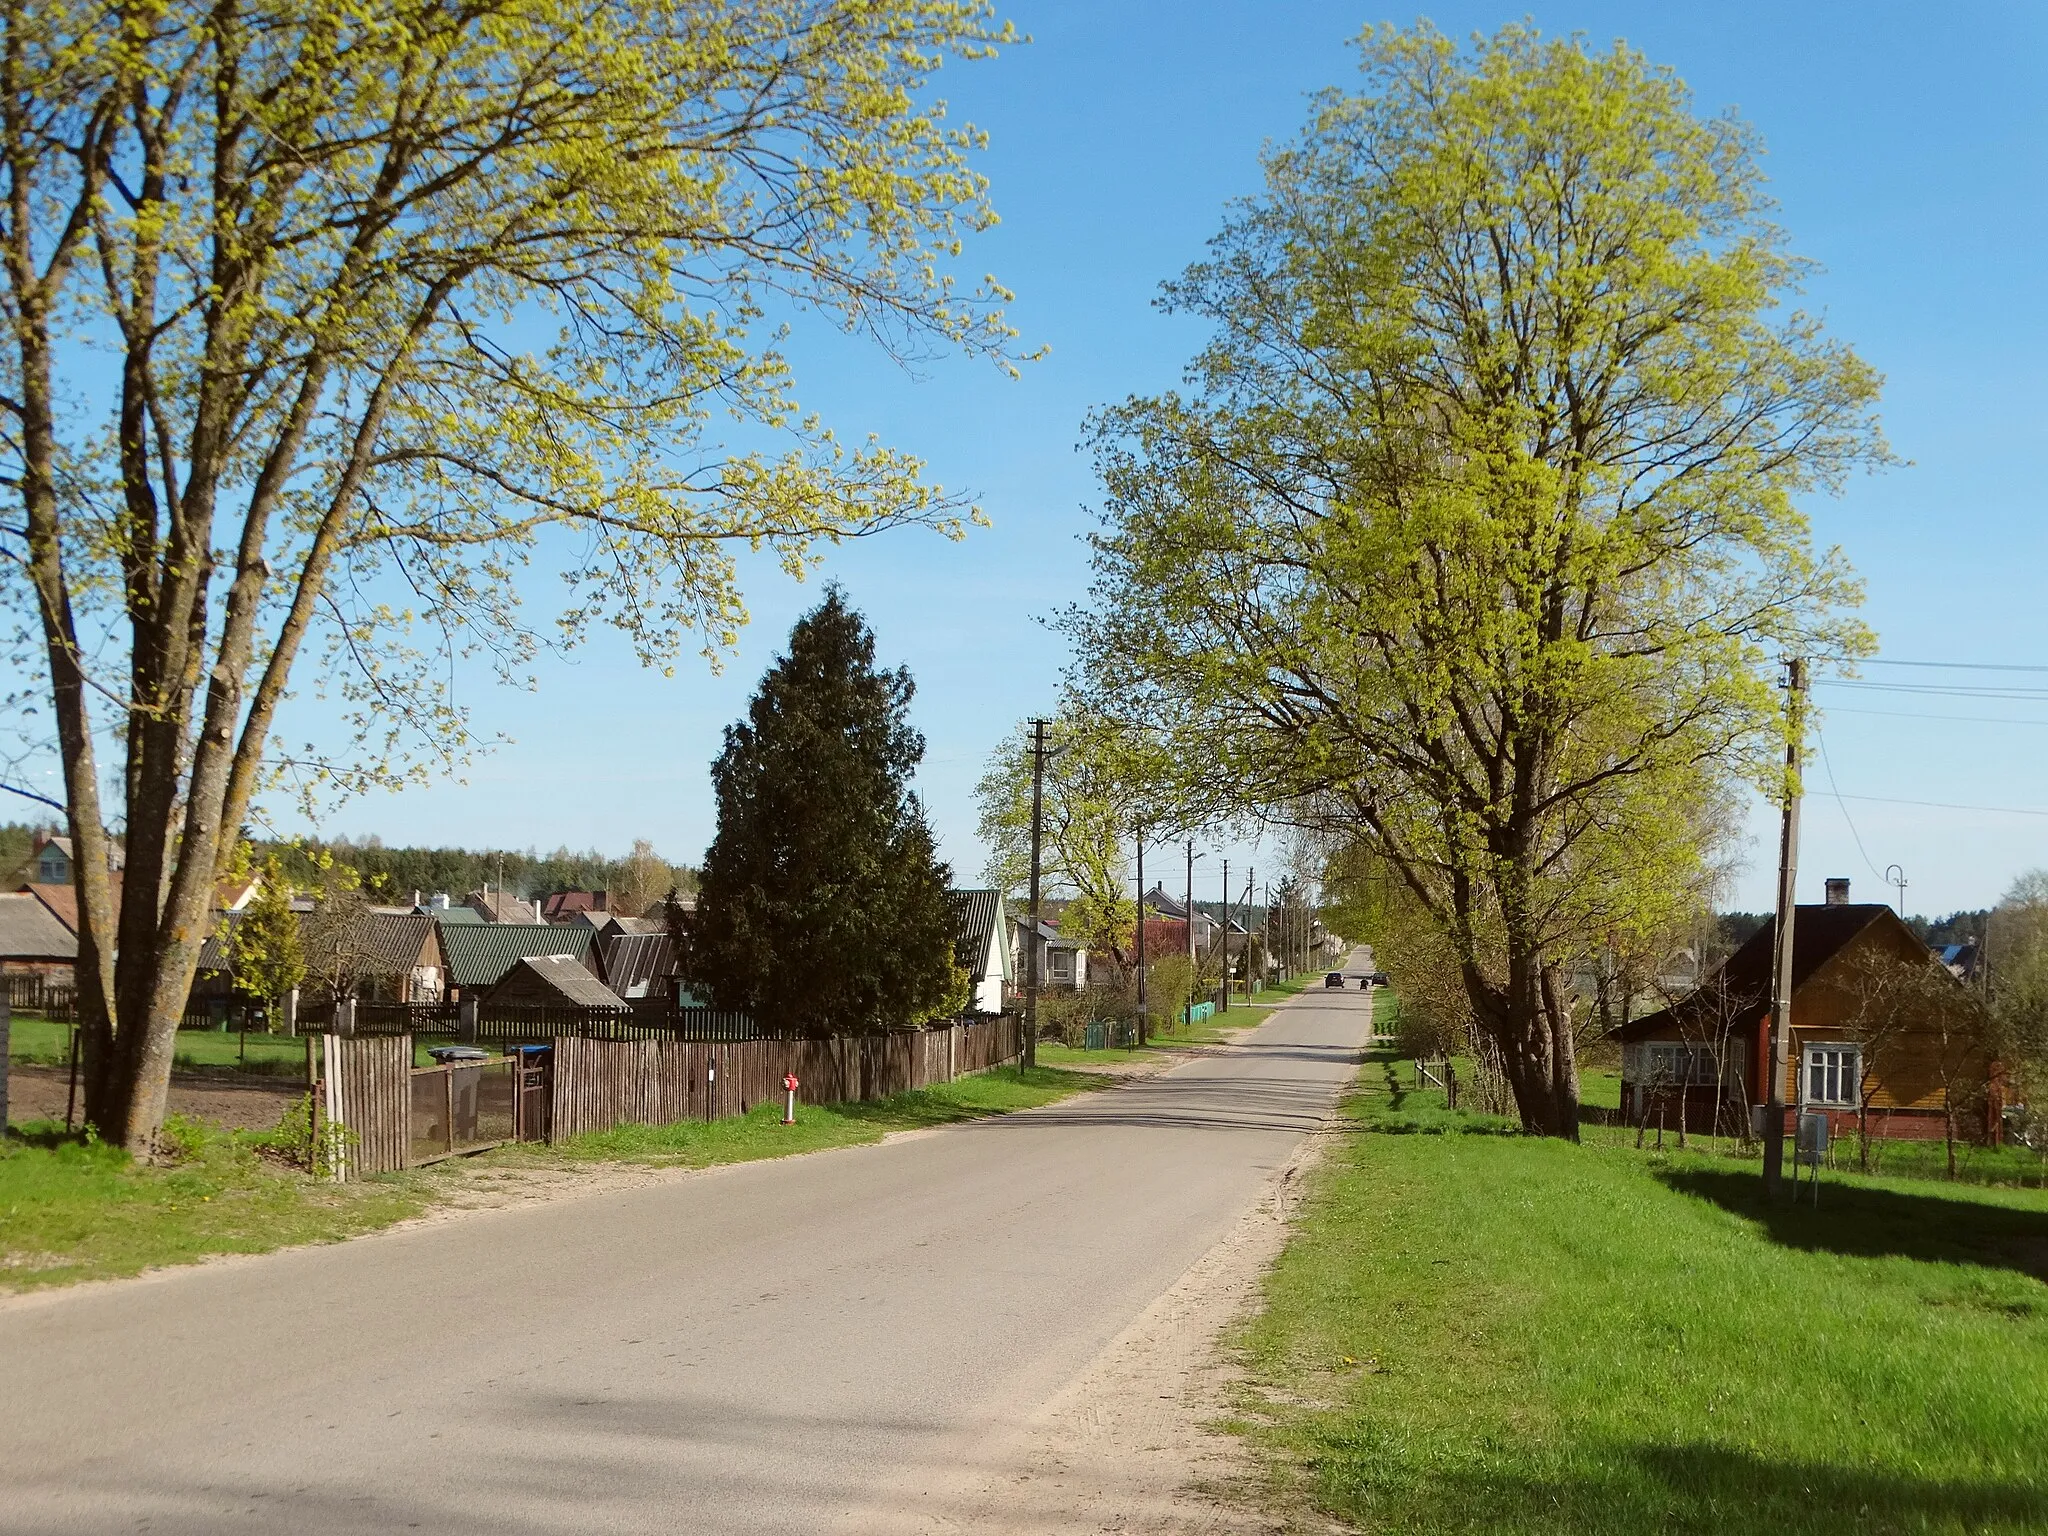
<point x="976" y="916"/>
<point x="634" y="964"/>
<point x="568" y="979"/>
<point x="395" y="940"/>
<point x="213" y="954"/>
<point x="62" y="900"/>
<point x="1741" y="985"/>
<point x="563" y="905"/>
<point x="618" y="922"/>
<point x="497" y="907"/>
<point x="29" y="931"/>
<point x="480" y="953"/>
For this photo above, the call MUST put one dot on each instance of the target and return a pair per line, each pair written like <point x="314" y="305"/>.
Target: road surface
<point x="791" y="1346"/>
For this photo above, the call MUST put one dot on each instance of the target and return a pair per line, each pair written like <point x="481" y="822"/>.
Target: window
<point x="1833" y="1075"/>
<point x="1671" y="1062"/>
<point x="1062" y="964"/>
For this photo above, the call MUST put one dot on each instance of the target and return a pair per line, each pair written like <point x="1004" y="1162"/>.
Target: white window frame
<point x="1836" y="1064"/>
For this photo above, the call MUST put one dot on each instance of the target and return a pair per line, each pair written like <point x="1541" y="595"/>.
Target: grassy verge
<point x="76" y="1210"/>
<point x="1485" y="1332"/>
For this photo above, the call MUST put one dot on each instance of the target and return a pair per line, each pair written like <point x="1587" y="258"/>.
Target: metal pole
<point x="1781" y="971"/>
<point x="1142" y="1020"/>
<point x="1191" y="913"/>
<point x="1028" y="1057"/>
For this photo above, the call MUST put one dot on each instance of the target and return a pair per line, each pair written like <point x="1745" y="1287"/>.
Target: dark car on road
<point x="1334" y="979"/>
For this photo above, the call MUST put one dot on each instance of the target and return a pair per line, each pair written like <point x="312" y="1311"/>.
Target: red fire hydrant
<point x="789" y="1103"/>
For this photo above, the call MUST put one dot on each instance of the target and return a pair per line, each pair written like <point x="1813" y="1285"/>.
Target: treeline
<point x="395" y="873"/>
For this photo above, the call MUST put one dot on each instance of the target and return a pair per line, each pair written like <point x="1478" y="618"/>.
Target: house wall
<point x="988" y="992"/>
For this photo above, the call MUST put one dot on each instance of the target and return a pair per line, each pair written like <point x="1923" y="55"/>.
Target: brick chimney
<point x="1838" y="891"/>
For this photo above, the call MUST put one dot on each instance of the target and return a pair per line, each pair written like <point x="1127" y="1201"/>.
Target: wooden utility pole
<point x="1191" y="912"/>
<point x="1223" y="964"/>
<point x="1781" y="969"/>
<point x="1142" y="1020"/>
<point x="1029" y="1057"/>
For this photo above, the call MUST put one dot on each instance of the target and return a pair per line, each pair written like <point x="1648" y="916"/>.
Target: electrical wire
<point x="1907" y="714"/>
<point x="1822" y="741"/>
<point x="1956" y="666"/>
<point x="1945" y="805"/>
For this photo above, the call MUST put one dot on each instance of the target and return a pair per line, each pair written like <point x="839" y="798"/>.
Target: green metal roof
<point x="480" y="953"/>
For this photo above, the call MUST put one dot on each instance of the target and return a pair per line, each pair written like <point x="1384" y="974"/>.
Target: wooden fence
<point x="598" y="1084"/>
<point x="368" y="1089"/>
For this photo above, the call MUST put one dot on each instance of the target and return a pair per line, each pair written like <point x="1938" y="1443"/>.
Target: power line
<point x="1908" y="714"/>
<point x="1986" y="692"/>
<point x="1956" y="666"/>
<point x="1945" y="805"/>
<point x="1843" y="805"/>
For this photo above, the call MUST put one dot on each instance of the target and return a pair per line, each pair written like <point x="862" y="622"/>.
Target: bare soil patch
<point x="235" y="1104"/>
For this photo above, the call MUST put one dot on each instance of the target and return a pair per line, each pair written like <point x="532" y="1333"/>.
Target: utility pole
<point x="1894" y="875"/>
<point x="1781" y="971"/>
<point x="1191" y="906"/>
<point x="1223" y="964"/>
<point x="1141" y="933"/>
<point x="1250" y="884"/>
<point x="1030" y="1054"/>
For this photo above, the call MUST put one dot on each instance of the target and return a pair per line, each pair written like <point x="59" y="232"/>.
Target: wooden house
<point x="1880" y="1029"/>
<point x="554" y="981"/>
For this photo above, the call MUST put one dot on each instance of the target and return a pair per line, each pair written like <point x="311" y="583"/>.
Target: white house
<point x="1062" y="962"/>
<point x="983" y="948"/>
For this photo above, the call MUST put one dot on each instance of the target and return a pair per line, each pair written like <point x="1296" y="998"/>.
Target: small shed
<point x="554" y="981"/>
<point x="1879" y="1029"/>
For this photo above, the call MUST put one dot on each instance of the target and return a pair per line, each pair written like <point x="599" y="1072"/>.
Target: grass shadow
<point x="1861" y="1221"/>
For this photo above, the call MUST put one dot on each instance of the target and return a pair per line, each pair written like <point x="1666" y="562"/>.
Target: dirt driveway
<point x="239" y="1104"/>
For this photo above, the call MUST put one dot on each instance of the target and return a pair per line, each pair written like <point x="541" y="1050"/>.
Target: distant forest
<point x="395" y="873"/>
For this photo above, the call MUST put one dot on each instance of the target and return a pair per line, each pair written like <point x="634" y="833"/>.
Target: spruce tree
<point x="823" y="904"/>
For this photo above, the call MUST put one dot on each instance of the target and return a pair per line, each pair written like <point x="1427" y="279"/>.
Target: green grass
<point x="761" y="1133"/>
<point x="1492" y="1333"/>
<point x="76" y="1210"/>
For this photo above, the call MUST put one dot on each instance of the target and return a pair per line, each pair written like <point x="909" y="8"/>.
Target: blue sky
<point x="1909" y="150"/>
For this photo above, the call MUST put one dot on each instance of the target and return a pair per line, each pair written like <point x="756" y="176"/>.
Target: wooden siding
<point x="1825" y="1012"/>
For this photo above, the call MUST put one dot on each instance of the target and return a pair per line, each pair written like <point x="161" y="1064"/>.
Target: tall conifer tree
<point x="823" y="903"/>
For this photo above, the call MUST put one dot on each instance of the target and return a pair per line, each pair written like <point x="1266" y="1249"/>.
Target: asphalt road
<point x="776" y="1347"/>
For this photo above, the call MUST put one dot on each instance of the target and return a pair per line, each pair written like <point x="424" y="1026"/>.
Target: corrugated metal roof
<point x="567" y="978"/>
<point x="975" y="915"/>
<point x="480" y="953"/>
<point x="28" y="931"/>
<point x="634" y="964"/>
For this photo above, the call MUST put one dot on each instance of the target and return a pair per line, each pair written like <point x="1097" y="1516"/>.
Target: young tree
<point x="319" y="321"/>
<point x="336" y="933"/>
<point x="264" y="947"/>
<point x="1477" y="532"/>
<point x="822" y="902"/>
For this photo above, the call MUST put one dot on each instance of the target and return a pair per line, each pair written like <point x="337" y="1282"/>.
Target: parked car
<point x="1376" y="979"/>
<point x="1334" y="979"/>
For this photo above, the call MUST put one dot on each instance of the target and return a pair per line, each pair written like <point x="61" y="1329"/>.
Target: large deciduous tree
<point x="320" y="320"/>
<point x="1477" y="530"/>
<point x="822" y="904"/>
